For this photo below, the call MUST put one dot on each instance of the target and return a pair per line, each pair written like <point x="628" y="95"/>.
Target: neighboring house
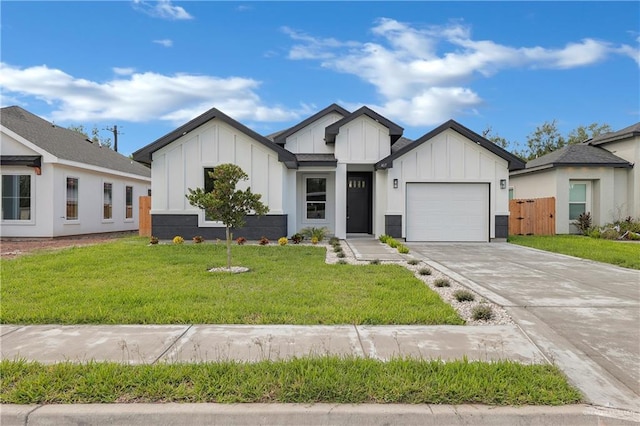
<point x="351" y="172"/>
<point x="597" y="176"/>
<point x="56" y="182"/>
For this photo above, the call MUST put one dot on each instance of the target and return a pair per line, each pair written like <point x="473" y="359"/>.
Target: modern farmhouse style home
<point x="351" y="172"/>
<point x="56" y="182"/>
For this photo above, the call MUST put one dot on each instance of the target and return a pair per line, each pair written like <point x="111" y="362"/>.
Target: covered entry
<point x="447" y="212"/>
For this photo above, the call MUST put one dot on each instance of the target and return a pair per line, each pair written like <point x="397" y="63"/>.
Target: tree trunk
<point x="228" y="248"/>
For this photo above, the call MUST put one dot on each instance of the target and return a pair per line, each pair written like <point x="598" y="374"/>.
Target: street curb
<point x="310" y="414"/>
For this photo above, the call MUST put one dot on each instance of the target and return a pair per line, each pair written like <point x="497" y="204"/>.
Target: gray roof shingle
<point x="66" y="144"/>
<point x="578" y="155"/>
<point x="627" y="132"/>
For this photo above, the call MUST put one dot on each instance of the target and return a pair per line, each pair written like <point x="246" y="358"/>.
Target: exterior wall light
<point x="395" y="184"/>
<point x="503" y="184"/>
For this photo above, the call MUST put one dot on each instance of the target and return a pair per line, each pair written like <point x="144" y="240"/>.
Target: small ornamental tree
<point x="226" y="203"/>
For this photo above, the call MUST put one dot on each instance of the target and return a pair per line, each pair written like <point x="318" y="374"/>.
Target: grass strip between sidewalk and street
<point x="301" y="380"/>
<point x="619" y="253"/>
<point x="130" y="282"/>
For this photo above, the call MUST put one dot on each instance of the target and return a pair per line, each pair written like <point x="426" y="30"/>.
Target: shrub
<point x="342" y="262"/>
<point x="154" y="240"/>
<point x="393" y="243"/>
<point x="595" y="233"/>
<point x="241" y="240"/>
<point x="297" y="238"/>
<point x="198" y="239"/>
<point x="337" y="249"/>
<point x="341" y="255"/>
<point x="314" y="240"/>
<point x="374" y="262"/>
<point x="384" y="238"/>
<point x="178" y="239"/>
<point x="424" y="271"/>
<point x="318" y="233"/>
<point x="583" y="223"/>
<point x="482" y="312"/>
<point x="413" y="261"/>
<point x="610" y="234"/>
<point x="263" y="241"/>
<point x="403" y="249"/>
<point x="441" y="282"/>
<point x="334" y="240"/>
<point x="283" y="241"/>
<point x="463" y="296"/>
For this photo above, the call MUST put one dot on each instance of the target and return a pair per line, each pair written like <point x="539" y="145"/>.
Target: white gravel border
<point x="464" y="309"/>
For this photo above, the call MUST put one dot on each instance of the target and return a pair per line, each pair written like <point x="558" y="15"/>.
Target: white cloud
<point x="140" y="96"/>
<point x="123" y="71"/>
<point x="421" y="73"/>
<point x="161" y="9"/>
<point x="164" y="42"/>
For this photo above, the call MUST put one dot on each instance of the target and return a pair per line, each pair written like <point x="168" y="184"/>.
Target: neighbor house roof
<point x="627" y="132"/>
<point x="332" y="131"/>
<point x="144" y="154"/>
<point x="578" y="155"/>
<point x="66" y="144"/>
<point x="515" y="163"/>
<point x="281" y="137"/>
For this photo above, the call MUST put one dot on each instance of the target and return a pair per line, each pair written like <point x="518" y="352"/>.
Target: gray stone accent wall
<point x="502" y="226"/>
<point x="167" y="226"/>
<point x="393" y="225"/>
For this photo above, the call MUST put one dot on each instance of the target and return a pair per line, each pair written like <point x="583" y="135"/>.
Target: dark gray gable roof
<point x="331" y="131"/>
<point x="627" y="132"/>
<point x="515" y="163"/>
<point x="310" y="160"/>
<point x="144" y="154"/>
<point x="281" y="137"/>
<point x="400" y="143"/>
<point x="578" y="155"/>
<point x="66" y="144"/>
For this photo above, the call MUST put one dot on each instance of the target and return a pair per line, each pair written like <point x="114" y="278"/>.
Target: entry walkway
<point x="368" y="248"/>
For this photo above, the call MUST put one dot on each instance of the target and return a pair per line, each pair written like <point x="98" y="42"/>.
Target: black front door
<point x="359" y="202"/>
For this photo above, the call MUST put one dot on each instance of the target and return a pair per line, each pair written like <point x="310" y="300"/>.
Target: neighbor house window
<point x="577" y="199"/>
<point x="316" y="198"/>
<point x="16" y="197"/>
<point x="511" y="193"/>
<point x="129" y="202"/>
<point x="72" y="198"/>
<point x="107" y="203"/>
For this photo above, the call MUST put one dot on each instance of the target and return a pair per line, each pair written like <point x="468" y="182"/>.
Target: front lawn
<point x="626" y="254"/>
<point x="303" y="380"/>
<point x="130" y="282"/>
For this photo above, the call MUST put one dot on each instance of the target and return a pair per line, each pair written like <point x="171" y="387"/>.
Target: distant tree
<point x="495" y="138"/>
<point x="545" y="139"/>
<point x="95" y="135"/>
<point x="226" y="203"/>
<point x="582" y="133"/>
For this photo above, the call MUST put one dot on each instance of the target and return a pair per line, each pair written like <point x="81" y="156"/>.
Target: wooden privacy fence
<point x="532" y="216"/>
<point x="144" y="216"/>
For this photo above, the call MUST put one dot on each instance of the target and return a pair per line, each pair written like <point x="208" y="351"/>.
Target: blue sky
<point x="150" y="66"/>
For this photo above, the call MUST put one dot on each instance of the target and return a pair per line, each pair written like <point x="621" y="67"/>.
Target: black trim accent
<point x="167" y="226"/>
<point x="502" y="226"/>
<point x="393" y="225"/>
<point x="515" y="163"/>
<point x="332" y="131"/>
<point x="281" y="138"/>
<point x="143" y="155"/>
<point x="21" y="160"/>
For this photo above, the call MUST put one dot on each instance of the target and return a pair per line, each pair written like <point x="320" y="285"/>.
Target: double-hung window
<point x="107" y="201"/>
<point x="578" y="199"/>
<point x="16" y="197"/>
<point x="316" y="198"/>
<point x="72" y="198"/>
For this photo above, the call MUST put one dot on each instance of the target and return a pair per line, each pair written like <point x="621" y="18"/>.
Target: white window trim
<point x="32" y="212"/>
<point x="587" y="202"/>
<point x="306" y="220"/>
<point x="110" y="220"/>
<point x="66" y="220"/>
<point x="133" y="204"/>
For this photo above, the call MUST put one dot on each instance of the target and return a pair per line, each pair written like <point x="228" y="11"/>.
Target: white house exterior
<point x="597" y="176"/>
<point x="56" y="183"/>
<point x="351" y="172"/>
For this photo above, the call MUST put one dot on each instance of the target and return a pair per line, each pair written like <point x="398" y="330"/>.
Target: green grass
<point x="130" y="282"/>
<point x="616" y="253"/>
<point x="303" y="380"/>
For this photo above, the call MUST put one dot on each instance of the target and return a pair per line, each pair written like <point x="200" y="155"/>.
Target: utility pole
<point x="115" y="132"/>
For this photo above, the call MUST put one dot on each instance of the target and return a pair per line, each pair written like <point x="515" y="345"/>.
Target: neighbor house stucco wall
<point x="448" y="157"/>
<point x="629" y="150"/>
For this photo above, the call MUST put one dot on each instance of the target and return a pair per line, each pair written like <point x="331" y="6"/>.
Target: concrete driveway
<point x="584" y="315"/>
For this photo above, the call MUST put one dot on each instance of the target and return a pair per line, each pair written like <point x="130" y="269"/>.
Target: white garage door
<point x="447" y="212"/>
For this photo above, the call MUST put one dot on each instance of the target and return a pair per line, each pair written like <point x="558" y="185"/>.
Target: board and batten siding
<point x="362" y="141"/>
<point x="449" y="158"/>
<point x="180" y="165"/>
<point x="310" y="139"/>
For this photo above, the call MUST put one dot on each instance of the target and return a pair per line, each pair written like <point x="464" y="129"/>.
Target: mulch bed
<point x="13" y="247"/>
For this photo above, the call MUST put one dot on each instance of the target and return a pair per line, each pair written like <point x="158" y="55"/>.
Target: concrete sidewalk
<point x="148" y="344"/>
